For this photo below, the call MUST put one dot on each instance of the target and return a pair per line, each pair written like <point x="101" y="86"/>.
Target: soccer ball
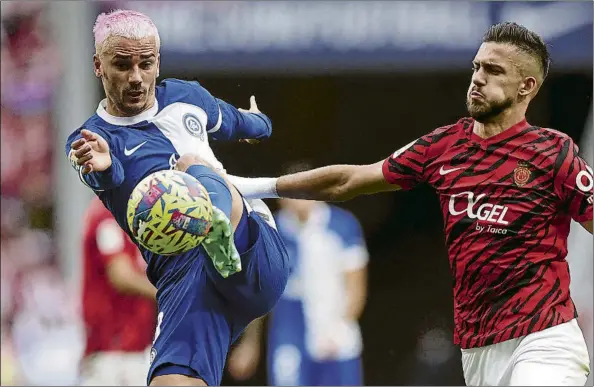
<point x="169" y="212"/>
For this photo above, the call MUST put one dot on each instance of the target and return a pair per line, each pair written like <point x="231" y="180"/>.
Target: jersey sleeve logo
<point x="584" y="180"/>
<point x="193" y="126"/>
<point x="522" y="174"/>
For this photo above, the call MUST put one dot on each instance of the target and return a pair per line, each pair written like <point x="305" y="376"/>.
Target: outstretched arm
<point x="402" y="170"/>
<point x="332" y="183"/>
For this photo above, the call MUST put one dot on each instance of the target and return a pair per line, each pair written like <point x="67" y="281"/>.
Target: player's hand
<point x="328" y="349"/>
<point x="91" y="152"/>
<point x="243" y="361"/>
<point x="253" y="106"/>
<point x="253" y="109"/>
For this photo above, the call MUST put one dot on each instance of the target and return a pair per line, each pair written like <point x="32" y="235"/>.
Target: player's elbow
<point x="357" y="180"/>
<point x="347" y="186"/>
<point x="341" y="193"/>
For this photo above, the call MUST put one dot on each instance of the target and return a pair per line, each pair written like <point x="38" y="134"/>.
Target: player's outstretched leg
<point x="227" y="210"/>
<point x="205" y="311"/>
<point x="265" y="267"/>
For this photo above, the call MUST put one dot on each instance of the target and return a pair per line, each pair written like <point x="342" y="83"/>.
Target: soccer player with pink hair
<point x="207" y="296"/>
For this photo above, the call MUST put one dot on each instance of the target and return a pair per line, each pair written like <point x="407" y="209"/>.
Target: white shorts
<point x="115" y="369"/>
<point x="556" y="356"/>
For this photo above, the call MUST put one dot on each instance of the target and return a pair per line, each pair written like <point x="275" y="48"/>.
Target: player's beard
<point x="483" y="111"/>
<point x="117" y="94"/>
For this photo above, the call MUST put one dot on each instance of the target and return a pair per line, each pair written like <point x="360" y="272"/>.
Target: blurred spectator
<point x="46" y="331"/>
<point x="8" y="376"/>
<point x="41" y="333"/>
<point x="314" y="335"/>
<point x="118" y="304"/>
<point x="30" y="73"/>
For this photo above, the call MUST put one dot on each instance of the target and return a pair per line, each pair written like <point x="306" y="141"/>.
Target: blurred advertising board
<point x="328" y="36"/>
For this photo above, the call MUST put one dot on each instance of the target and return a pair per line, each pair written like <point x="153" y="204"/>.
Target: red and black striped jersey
<point x="507" y="204"/>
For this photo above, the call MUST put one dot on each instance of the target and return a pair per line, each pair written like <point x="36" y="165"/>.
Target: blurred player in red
<point x="508" y="191"/>
<point x="118" y="304"/>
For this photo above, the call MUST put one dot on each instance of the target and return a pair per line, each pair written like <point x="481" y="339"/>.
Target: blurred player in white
<point x="580" y="259"/>
<point x="314" y="337"/>
<point x="118" y="304"/>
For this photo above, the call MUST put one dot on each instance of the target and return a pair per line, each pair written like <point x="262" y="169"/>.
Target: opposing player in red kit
<point x="118" y="303"/>
<point x="508" y="192"/>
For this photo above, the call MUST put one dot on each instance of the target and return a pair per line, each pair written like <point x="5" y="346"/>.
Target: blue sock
<point x="220" y="195"/>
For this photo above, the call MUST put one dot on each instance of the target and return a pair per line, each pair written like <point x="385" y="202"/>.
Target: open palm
<point x="91" y="152"/>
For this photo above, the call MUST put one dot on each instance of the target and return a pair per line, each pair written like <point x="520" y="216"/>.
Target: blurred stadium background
<point x="344" y="82"/>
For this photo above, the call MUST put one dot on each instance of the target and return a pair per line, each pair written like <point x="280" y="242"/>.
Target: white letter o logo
<point x="585" y="175"/>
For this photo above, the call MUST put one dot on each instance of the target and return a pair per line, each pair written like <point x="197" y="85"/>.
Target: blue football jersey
<point x="330" y="244"/>
<point x="184" y="118"/>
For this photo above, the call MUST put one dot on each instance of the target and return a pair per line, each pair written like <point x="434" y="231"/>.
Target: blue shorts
<point x="290" y="364"/>
<point x="201" y="313"/>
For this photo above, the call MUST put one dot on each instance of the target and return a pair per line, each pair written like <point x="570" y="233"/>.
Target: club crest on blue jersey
<point x="193" y="125"/>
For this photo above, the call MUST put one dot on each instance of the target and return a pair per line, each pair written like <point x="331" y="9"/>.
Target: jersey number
<point x="158" y="329"/>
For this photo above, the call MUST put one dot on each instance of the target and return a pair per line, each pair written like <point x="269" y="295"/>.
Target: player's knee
<point x="177" y="380"/>
<point x="189" y="159"/>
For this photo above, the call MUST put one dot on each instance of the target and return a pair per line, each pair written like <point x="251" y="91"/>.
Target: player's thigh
<point x="338" y="373"/>
<point x="255" y="290"/>
<point x="194" y="329"/>
<point x="556" y="356"/>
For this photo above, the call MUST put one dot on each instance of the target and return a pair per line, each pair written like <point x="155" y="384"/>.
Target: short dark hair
<point x="522" y="38"/>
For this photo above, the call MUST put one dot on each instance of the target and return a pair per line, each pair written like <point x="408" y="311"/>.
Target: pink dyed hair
<point x="126" y="24"/>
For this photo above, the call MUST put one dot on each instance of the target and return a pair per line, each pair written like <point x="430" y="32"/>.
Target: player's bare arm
<point x="335" y="183"/>
<point x="588" y="226"/>
<point x="125" y="278"/>
<point x="91" y="152"/>
<point x="356" y="285"/>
